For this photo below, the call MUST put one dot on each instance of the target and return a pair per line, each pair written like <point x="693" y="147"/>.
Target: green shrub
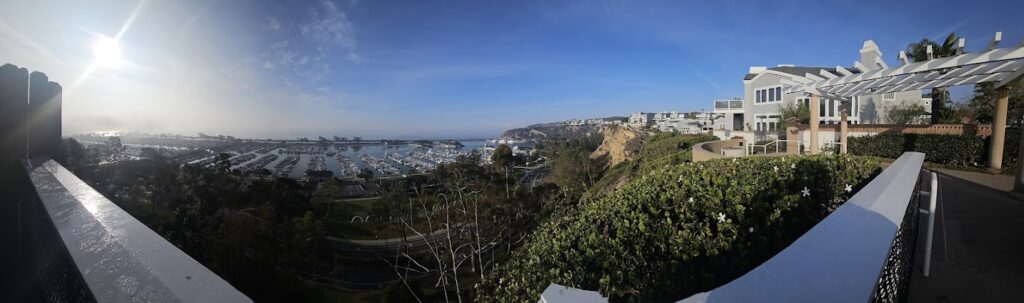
<point x="680" y="230"/>
<point x="951" y="150"/>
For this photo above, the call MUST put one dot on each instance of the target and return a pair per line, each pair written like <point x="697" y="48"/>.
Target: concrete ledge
<point x="120" y="259"/>
<point x="713" y="149"/>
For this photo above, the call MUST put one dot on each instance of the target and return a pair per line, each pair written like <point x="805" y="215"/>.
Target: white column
<point x="814" y="108"/>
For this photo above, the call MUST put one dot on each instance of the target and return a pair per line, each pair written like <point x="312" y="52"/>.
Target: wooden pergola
<point x="1001" y="66"/>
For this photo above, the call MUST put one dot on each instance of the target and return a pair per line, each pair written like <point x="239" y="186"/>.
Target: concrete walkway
<point x="997" y="182"/>
<point x="978" y="250"/>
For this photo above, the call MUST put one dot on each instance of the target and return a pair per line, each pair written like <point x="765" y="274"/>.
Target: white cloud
<point x="273" y="24"/>
<point x="326" y="28"/>
<point x="329" y="24"/>
<point x="352" y="57"/>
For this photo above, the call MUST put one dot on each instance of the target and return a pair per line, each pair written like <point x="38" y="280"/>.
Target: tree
<point x="904" y="113"/>
<point x="573" y="169"/>
<point x="463" y="227"/>
<point x="798" y="110"/>
<point x="365" y="173"/>
<point x="919" y="52"/>
<point x="223" y="162"/>
<point x="502" y="156"/>
<point x="73" y="155"/>
<point x="503" y="160"/>
<point x="980" y="107"/>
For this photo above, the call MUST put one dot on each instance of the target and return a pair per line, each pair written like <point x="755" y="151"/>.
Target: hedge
<point x="952" y="150"/>
<point x="680" y="230"/>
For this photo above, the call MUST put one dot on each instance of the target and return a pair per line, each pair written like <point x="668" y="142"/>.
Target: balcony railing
<point x="64" y="241"/>
<point x="728" y="104"/>
<point x="862" y="252"/>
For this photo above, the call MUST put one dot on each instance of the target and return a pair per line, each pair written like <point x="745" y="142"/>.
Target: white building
<point x="640" y="119"/>
<point x="765" y="92"/>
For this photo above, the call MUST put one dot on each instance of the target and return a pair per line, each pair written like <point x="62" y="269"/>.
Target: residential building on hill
<point x="687" y="123"/>
<point x="766" y="91"/>
<point x="640" y="119"/>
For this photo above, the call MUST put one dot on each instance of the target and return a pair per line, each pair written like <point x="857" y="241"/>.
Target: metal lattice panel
<point x="894" y="282"/>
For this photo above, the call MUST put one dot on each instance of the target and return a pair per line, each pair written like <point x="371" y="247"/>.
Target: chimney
<point x="871" y="56"/>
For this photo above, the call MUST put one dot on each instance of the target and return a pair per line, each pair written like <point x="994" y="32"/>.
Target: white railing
<point x="119" y="258"/>
<point x="847" y="257"/>
<point x="764" y="147"/>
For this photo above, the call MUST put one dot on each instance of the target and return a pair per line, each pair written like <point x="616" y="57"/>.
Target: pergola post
<point x="995" y="156"/>
<point x="814" y="123"/>
<point x="843" y="128"/>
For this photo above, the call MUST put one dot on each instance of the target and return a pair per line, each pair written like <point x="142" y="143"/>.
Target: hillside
<point x="556" y="130"/>
<point x="620" y="144"/>
<point x="641" y="155"/>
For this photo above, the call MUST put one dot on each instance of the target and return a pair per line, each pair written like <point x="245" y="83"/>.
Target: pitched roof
<point x="802" y="70"/>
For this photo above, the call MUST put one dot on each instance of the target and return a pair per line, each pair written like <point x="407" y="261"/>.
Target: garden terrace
<point x="682" y="229"/>
<point x="865" y="248"/>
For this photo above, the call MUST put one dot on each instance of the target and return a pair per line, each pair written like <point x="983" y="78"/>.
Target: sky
<point x="442" y="69"/>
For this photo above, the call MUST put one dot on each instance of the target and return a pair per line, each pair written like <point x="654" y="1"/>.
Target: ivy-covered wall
<point x="680" y="230"/>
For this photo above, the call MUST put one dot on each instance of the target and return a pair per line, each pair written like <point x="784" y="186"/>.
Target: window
<point x="765" y="95"/>
<point x="803" y="102"/>
<point x="831" y="108"/>
<point x="821" y="109"/>
<point x="889" y="96"/>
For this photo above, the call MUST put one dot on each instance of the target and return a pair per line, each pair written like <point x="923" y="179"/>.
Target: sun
<point x="107" y="52"/>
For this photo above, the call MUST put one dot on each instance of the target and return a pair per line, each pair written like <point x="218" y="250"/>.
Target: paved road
<point x="978" y="250"/>
<point x="379" y="247"/>
<point x="535" y="177"/>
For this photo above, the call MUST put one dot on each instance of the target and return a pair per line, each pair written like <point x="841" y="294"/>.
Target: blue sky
<point x="443" y="68"/>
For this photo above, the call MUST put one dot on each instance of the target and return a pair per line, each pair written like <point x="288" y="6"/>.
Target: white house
<point x="765" y="92"/>
<point x="640" y="119"/>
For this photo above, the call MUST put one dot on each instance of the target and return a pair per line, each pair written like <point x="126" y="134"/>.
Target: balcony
<point x="71" y="244"/>
<point x="726" y="105"/>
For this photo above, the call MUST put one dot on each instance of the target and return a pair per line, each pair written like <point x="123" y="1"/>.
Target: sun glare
<point x="108" y="52"/>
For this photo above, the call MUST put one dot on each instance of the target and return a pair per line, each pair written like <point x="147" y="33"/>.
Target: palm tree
<point x="919" y="52"/>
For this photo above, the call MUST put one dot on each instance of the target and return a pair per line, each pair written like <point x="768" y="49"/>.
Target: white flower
<point x="806" y="192"/>
<point x="691" y="200"/>
<point x="776" y="168"/>
<point x="849" y="188"/>
<point x="751" y="229"/>
<point x="792" y="166"/>
<point x="721" y="217"/>
<point x="734" y="160"/>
